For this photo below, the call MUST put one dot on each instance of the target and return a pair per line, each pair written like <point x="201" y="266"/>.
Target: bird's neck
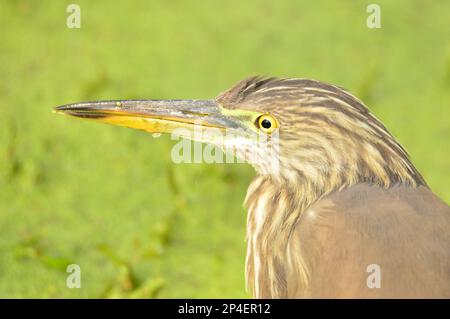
<point x="274" y="209"/>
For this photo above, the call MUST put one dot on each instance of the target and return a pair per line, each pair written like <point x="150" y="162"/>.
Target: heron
<point x="338" y="210"/>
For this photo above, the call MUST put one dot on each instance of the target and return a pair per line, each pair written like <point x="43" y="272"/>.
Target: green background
<point x="110" y="199"/>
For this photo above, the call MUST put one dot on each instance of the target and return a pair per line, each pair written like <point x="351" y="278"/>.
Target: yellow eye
<point x="266" y="123"/>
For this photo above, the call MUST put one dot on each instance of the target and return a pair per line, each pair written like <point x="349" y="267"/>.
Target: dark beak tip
<point x="70" y="108"/>
<point x="59" y="110"/>
<point x="62" y="108"/>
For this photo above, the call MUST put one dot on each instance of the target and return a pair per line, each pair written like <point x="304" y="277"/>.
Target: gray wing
<point x="368" y="242"/>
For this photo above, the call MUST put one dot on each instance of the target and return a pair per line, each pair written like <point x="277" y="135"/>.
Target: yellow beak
<point x="162" y="116"/>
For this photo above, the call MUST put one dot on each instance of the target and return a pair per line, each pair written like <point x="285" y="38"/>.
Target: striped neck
<point x="271" y="207"/>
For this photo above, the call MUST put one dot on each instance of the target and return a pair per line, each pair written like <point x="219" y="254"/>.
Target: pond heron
<point x="337" y="208"/>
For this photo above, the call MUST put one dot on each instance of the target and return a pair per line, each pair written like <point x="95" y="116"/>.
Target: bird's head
<point x="293" y="130"/>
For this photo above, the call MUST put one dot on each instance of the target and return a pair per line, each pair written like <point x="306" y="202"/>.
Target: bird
<point x="336" y="209"/>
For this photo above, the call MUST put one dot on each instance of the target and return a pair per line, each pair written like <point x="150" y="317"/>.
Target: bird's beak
<point x="156" y="116"/>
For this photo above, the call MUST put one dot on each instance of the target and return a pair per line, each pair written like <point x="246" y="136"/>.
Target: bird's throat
<point x="274" y="210"/>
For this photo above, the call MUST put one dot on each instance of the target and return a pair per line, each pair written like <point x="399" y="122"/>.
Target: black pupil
<point x="266" y="124"/>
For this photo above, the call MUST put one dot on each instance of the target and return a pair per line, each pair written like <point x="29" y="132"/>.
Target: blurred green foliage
<point x="110" y="199"/>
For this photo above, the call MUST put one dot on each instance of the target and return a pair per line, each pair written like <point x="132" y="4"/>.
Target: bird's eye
<point x="266" y="123"/>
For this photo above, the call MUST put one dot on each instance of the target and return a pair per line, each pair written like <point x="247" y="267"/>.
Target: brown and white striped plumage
<point x="335" y="194"/>
<point x="345" y="196"/>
